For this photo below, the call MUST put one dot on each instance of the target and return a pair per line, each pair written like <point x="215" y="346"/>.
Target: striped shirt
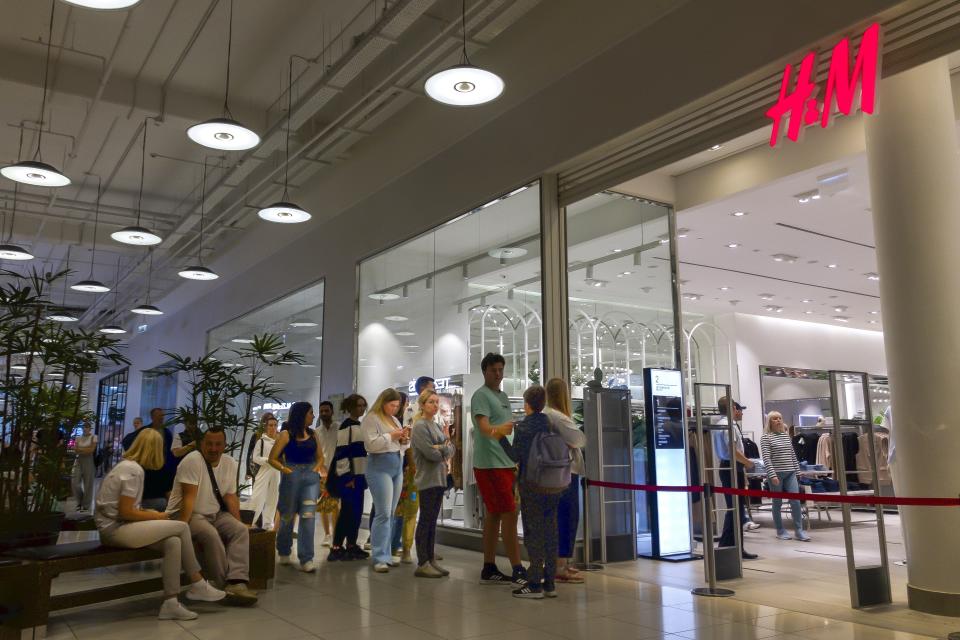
<point x="777" y="452"/>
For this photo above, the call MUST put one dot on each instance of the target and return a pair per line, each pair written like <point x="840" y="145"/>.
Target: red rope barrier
<point x="812" y="497"/>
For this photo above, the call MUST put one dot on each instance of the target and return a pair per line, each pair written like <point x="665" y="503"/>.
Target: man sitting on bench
<point x="205" y="497"/>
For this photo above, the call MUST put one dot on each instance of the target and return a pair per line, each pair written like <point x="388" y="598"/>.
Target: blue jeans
<point x="385" y="478"/>
<point x="568" y="518"/>
<point x="788" y="483"/>
<point x="298" y="496"/>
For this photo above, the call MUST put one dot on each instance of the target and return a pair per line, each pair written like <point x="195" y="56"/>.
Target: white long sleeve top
<point x="376" y="434"/>
<point x="571" y="434"/>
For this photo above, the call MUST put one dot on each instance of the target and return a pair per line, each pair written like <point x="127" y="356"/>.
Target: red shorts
<point x="496" y="488"/>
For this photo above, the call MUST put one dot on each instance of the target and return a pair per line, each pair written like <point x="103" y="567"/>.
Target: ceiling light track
<point x="825" y="235"/>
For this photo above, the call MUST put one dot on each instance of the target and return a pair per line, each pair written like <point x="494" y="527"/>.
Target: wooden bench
<point x="26" y="576"/>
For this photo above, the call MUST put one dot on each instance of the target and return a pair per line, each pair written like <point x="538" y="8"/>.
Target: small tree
<point x="223" y="387"/>
<point x="42" y="392"/>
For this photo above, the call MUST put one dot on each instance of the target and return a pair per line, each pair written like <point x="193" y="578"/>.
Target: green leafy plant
<point x="223" y="387"/>
<point x="45" y="366"/>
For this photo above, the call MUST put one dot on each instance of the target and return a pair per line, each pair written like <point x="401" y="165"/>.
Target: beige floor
<point x="802" y="596"/>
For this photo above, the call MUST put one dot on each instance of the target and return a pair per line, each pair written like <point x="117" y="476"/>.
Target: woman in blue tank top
<point x="302" y="465"/>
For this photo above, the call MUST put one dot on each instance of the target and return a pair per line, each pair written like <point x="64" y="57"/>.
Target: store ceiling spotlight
<point x="807" y="196"/>
<point x="784" y="257"/>
<point x="831" y="266"/>
<point x="841" y="318"/>
<point x="224" y="133"/>
<point x="594" y="282"/>
<point x="872" y="276"/>
<point x="103" y="5"/>
<point x="303" y="323"/>
<point x="464" y="85"/>
<point x="138" y="235"/>
<point x="733" y="245"/>
<point x="507" y="253"/>
<point x="692" y="296"/>
<point x="808" y="312"/>
<point x="146" y="310"/>
<point x="396" y="318"/>
<point x="197" y="272"/>
<point x="383" y="296"/>
<point x="429" y="282"/>
<point x="772" y="308"/>
<point x="766" y="296"/>
<point x="683" y="233"/>
<point x="738" y="214"/>
<point x="807" y="301"/>
<point x="36" y="172"/>
<point x="14" y="252"/>
<point x="716" y="147"/>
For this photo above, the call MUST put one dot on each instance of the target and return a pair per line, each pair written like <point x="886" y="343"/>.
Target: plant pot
<point x="29" y="529"/>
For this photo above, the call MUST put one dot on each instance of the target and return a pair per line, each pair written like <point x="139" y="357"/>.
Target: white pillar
<point x="915" y="187"/>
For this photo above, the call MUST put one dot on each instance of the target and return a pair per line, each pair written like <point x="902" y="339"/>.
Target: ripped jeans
<point x="298" y="496"/>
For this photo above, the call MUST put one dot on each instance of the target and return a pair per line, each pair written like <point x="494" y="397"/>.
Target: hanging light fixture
<point x="8" y="250"/>
<point x="285" y="212"/>
<point x="137" y="234"/>
<point x="62" y="314"/>
<point x="90" y="285"/>
<point x="36" y="172"/>
<point x="224" y="133"/>
<point x="114" y="328"/>
<point x="148" y="309"/>
<point x="198" y="271"/>
<point x="464" y="85"/>
<point x="103" y="5"/>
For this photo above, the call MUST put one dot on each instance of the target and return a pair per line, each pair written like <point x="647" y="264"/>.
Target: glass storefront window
<point x="298" y="319"/>
<point x="435" y="305"/>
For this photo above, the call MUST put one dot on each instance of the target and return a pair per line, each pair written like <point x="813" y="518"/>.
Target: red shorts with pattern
<point x="496" y="488"/>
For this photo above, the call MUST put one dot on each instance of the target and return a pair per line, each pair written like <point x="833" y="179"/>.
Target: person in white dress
<point x="266" y="484"/>
<point x="84" y="468"/>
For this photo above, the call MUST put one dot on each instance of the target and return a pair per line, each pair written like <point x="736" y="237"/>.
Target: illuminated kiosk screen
<point x="666" y="440"/>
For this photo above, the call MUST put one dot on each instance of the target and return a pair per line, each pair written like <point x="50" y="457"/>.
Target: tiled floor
<point x="348" y="601"/>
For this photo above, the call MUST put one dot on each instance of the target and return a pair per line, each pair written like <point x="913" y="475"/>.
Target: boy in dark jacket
<point x="538" y="510"/>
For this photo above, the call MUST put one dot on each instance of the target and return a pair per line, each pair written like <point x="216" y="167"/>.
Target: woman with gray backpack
<point x="545" y="457"/>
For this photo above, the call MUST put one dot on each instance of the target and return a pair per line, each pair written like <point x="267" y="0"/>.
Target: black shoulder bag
<point x="215" y="487"/>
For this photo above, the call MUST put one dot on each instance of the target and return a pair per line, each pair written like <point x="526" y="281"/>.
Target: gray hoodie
<point x="430" y="461"/>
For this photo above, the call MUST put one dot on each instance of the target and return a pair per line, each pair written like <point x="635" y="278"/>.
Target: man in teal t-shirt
<point x="495" y="472"/>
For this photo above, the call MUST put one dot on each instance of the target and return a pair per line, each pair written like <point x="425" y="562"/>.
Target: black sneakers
<point x="528" y="592"/>
<point x="337" y="554"/>
<point x="520" y="577"/>
<point x="492" y="575"/>
<point x="356" y="553"/>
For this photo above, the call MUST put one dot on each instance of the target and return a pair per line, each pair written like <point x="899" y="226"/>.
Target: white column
<point x="915" y="187"/>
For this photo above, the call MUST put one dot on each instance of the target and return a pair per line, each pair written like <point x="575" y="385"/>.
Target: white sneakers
<point x="308" y="567"/>
<point x="406" y="558"/>
<point x="284" y="559"/>
<point x="171" y="609"/>
<point x="203" y="591"/>
<point x="381" y="567"/>
<point x="327" y="540"/>
<point x="752" y="526"/>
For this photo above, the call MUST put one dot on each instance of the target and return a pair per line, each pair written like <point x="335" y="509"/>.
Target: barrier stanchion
<point x="586" y="565"/>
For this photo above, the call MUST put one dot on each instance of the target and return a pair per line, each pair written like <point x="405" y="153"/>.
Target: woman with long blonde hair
<point x="780" y="460"/>
<point x="123" y="523"/>
<point x="559" y="411"/>
<point x="385" y="440"/>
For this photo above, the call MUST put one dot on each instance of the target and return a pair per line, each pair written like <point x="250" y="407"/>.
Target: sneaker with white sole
<point x="406" y="558"/>
<point x="203" y="591"/>
<point x="239" y="595"/>
<point x="171" y="609"/>
<point x="284" y="560"/>
<point x="381" y="567"/>
<point x="531" y="593"/>
<point x="752" y="526"/>
<point x="433" y="563"/>
<point x="802" y="536"/>
<point x="427" y="570"/>
<point x="327" y="540"/>
<point x="783" y="535"/>
<point x="308" y="567"/>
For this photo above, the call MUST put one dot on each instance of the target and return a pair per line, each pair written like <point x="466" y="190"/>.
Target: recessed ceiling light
<point x="872" y="322"/>
<point x="872" y="276"/>
<point x="807" y="301"/>
<point x="732" y="245"/>
<point x="19" y="367"/>
<point x="784" y="257"/>
<point x="766" y="296"/>
<point x="626" y="273"/>
<point x="874" y="313"/>
<point x="831" y="266"/>
<point x="773" y="308"/>
<point x="664" y="241"/>
<point x="808" y="312"/>
<point x="841" y="318"/>
<point x="840" y="308"/>
<point x="303" y="323"/>
<point x="404" y="334"/>
<point x="738" y="214"/>
<point x="616" y="250"/>
<point x="383" y="297"/>
<point x="318" y="338"/>
<point x="692" y="296"/>
<point x="242" y="340"/>
<point x="396" y="318"/>
<point x="716" y="147"/>
<point x="724" y="288"/>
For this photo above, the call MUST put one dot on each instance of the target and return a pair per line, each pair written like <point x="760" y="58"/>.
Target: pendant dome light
<point x="114" y="328"/>
<point x="464" y="85"/>
<point x="36" y="172"/>
<point x="8" y="250"/>
<point x="198" y="271"/>
<point x="224" y="133"/>
<point x="90" y="285"/>
<point x="103" y="5"/>
<point x="62" y="314"/>
<point x="285" y="212"/>
<point x="148" y="309"/>
<point x="136" y="234"/>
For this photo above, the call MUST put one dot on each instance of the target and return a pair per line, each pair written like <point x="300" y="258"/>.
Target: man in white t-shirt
<point x="222" y="540"/>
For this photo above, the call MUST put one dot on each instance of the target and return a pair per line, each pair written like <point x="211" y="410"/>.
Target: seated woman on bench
<point x="122" y="523"/>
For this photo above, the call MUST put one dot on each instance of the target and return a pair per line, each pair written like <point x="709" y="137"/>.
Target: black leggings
<point x="351" y="512"/>
<point x="430" y="502"/>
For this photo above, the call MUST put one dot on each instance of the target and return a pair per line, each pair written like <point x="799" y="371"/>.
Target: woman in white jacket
<point x="560" y="412"/>
<point x="266" y="484"/>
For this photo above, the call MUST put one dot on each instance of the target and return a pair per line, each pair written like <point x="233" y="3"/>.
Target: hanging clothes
<point x="750" y="449"/>
<point x="851" y="446"/>
<point x="825" y="451"/>
<point x="805" y="445"/>
<point x="881" y="444"/>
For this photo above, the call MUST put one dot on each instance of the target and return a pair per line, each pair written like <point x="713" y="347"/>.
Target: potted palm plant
<point x="45" y="367"/>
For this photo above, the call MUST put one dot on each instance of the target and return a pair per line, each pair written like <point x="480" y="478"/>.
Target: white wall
<point x="579" y="75"/>
<point x="762" y="340"/>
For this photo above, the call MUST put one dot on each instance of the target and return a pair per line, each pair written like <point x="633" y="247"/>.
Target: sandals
<point x="569" y="578"/>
